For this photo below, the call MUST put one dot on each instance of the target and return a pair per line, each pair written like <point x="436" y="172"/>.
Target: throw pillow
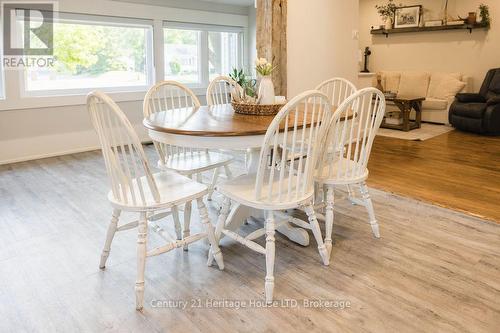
<point x="414" y="84"/>
<point x="436" y="79"/>
<point x="390" y="80"/>
<point x="449" y="88"/>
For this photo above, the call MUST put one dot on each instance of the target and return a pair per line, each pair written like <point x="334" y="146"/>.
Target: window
<point x="195" y="53"/>
<point x="182" y="55"/>
<point x="92" y="52"/>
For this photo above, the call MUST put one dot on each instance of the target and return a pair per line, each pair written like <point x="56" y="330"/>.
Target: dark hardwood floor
<point x="457" y="170"/>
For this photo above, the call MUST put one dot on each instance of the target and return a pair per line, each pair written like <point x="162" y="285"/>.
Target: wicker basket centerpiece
<point x="256" y="109"/>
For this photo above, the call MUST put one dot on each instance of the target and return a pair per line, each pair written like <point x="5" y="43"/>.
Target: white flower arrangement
<point x="263" y="67"/>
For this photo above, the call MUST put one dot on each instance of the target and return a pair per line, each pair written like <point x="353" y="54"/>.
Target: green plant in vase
<point x="484" y="13"/>
<point x="387" y="12"/>
<point x="247" y="84"/>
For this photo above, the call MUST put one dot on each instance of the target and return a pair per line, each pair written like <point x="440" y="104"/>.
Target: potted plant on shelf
<point x="484" y="13"/>
<point x="387" y="13"/>
<point x="266" y="86"/>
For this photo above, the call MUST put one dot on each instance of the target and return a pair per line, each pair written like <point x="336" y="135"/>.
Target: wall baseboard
<point x="35" y="148"/>
<point x="48" y="155"/>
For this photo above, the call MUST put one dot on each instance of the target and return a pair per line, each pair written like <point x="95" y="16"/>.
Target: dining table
<point x="218" y="127"/>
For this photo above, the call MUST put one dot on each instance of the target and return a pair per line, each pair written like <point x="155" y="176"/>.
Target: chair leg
<point x="351" y="194"/>
<point x="214" y="246"/>
<point x="228" y="172"/>
<point x="270" y="255"/>
<point x="309" y="209"/>
<point x="187" y="222"/>
<point x="329" y="216"/>
<point x="221" y="222"/>
<point x="109" y="237"/>
<point x="177" y="222"/>
<point x="215" y="176"/>
<point x="369" y="208"/>
<point x="141" y="260"/>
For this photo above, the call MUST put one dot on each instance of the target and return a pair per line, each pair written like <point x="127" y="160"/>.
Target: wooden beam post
<point x="271" y="39"/>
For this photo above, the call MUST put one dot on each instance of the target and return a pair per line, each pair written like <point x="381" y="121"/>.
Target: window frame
<point x="101" y="20"/>
<point x="204" y="29"/>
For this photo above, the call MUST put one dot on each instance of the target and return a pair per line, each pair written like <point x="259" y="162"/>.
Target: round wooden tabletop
<point x="209" y="121"/>
<point x="217" y="120"/>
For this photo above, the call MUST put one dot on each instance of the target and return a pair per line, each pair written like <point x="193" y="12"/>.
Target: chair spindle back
<point x="337" y="89"/>
<point x="353" y="128"/>
<point x="126" y="163"/>
<point x="219" y="90"/>
<point x="178" y="100"/>
<point x="292" y="142"/>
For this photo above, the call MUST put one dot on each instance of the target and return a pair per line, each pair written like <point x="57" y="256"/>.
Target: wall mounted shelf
<point x="468" y="27"/>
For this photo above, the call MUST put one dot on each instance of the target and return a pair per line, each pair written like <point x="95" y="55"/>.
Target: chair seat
<point x="194" y="162"/>
<point x="174" y="190"/>
<point x="345" y="179"/>
<point x="242" y="190"/>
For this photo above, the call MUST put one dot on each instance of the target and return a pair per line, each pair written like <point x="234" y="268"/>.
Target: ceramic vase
<point x="266" y="90"/>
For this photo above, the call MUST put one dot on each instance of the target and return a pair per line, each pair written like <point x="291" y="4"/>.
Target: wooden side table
<point x="406" y="105"/>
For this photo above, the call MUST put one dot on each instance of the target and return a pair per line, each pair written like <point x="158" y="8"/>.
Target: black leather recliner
<point x="479" y="113"/>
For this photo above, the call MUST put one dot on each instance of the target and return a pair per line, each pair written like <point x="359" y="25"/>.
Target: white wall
<point x="48" y="131"/>
<point x="320" y="42"/>
<point x="448" y="51"/>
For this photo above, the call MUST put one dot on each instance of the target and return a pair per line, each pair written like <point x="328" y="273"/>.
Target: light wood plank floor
<point x="456" y="170"/>
<point x="434" y="270"/>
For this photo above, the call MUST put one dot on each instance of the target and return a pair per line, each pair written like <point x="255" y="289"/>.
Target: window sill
<point x="32" y="102"/>
<point x="40" y="102"/>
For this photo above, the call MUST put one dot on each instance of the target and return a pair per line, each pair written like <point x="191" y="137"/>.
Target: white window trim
<point x="200" y="87"/>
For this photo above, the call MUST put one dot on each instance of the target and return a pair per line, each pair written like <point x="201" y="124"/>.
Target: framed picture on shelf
<point x="408" y="16"/>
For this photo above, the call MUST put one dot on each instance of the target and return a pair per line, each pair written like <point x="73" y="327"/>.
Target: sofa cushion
<point x="434" y="104"/>
<point x="414" y="84"/>
<point x="469" y="110"/>
<point x="444" y="85"/>
<point x="390" y="80"/>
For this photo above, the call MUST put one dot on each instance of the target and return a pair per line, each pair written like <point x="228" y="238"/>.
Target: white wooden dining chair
<point x="337" y="89"/>
<point x="173" y="96"/>
<point x="219" y="90"/>
<point x="135" y="189"/>
<point x="281" y="182"/>
<point x="348" y="166"/>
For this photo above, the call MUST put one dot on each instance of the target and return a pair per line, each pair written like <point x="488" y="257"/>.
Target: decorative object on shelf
<point x="266" y="86"/>
<point x="387" y="13"/>
<point x="378" y="26"/>
<point x="367" y="54"/>
<point x="445" y="13"/>
<point x="455" y="22"/>
<point x="484" y="13"/>
<point x="472" y="18"/>
<point x="433" y="23"/>
<point x="408" y="16"/>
